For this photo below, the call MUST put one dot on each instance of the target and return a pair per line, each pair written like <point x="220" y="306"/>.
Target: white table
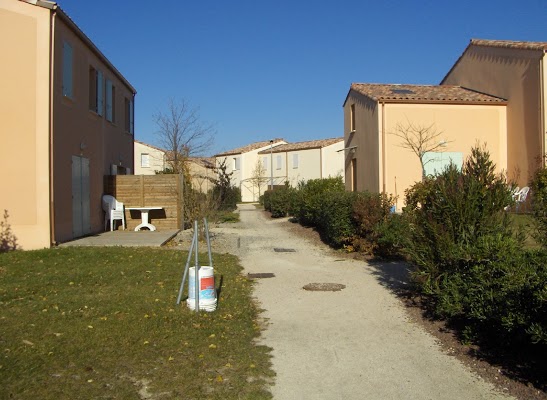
<point x="145" y="223"/>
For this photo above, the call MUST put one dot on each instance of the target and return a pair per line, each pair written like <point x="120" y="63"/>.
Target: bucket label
<point x="207" y="283"/>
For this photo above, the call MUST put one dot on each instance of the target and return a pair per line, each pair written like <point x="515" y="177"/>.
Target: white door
<point x="81" y="224"/>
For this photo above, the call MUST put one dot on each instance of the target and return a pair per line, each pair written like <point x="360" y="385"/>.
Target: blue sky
<point x="259" y="70"/>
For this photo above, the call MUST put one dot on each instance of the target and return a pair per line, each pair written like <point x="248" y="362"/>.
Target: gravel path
<point x="357" y="343"/>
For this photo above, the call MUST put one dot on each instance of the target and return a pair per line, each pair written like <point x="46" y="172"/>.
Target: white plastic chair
<point x="113" y="210"/>
<point x="521" y="196"/>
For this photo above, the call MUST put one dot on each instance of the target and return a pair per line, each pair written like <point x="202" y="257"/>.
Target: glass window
<point x="145" y="160"/>
<point x="110" y="101"/>
<point x="236" y="163"/>
<point x="295" y="160"/>
<point x="96" y="91"/>
<point x="265" y="162"/>
<point x="436" y="162"/>
<point x="67" y="70"/>
<point x="278" y="162"/>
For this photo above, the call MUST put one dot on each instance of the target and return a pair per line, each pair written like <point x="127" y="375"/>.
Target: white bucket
<point x="207" y="291"/>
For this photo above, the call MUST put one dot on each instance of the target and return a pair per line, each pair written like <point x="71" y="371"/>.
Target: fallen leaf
<point x="28" y="343"/>
<point x="212" y="346"/>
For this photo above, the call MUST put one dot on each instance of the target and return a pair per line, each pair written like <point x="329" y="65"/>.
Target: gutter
<point x="50" y="150"/>
<point x="542" y="110"/>
<point x="383" y="147"/>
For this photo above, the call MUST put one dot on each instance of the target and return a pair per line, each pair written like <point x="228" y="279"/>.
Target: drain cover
<point x="259" y="275"/>
<point x="281" y="250"/>
<point x="324" y="287"/>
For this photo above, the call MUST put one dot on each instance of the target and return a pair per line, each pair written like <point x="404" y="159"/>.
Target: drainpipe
<point x="542" y="109"/>
<point x="320" y="162"/>
<point x="383" y="147"/>
<point x="50" y="150"/>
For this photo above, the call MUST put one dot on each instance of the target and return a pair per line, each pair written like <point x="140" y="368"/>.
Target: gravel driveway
<point x="356" y="343"/>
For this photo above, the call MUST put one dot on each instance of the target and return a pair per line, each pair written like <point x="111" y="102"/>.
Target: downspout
<point x="50" y="150"/>
<point x="383" y="148"/>
<point x="542" y="108"/>
<point x="287" y="165"/>
<point x="321" y="163"/>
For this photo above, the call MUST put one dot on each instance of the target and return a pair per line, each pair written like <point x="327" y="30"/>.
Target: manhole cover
<point x="281" y="250"/>
<point x="324" y="287"/>
<point x="260" y="275"/>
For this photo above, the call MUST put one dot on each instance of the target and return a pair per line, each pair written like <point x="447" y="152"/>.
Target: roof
<point x="56" y="10"/>
<point x="207" y="162"/>
<point x="510" y="44"/>
<point x="149" y="145"/>
<point x="312" y="144"/>
<point x="395" y="93"/>
<point x="249" y="147"/>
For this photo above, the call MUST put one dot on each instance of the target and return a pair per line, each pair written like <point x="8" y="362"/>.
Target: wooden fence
<point x="148" y="190"/>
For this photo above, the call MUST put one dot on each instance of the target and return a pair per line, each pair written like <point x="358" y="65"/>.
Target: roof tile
<point x="423" y="93"/>
<point x="311" y="144"/>
<point x="249" y="147"/>
<point x="511" y="44"/>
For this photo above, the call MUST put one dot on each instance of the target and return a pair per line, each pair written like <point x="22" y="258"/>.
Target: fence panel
<point x="148" y="190"/>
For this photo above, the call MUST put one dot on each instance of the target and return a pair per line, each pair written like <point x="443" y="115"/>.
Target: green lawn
<point x="86" y="323"/>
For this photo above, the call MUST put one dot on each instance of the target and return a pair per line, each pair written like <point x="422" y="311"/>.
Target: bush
<point x="469" y="261"/>
<point x="538" y="188"/>
<point x="369" y="210"/>
<point x="391" y="236"/>
<point x="280" y="201"/>
<point x="334" y="215"/>
<point x="309" y="200"/>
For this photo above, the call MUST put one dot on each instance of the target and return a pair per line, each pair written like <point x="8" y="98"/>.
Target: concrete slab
<point x="125" y="238"/>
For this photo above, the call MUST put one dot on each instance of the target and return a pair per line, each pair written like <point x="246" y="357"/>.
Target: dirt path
<point x="356" y="343"/>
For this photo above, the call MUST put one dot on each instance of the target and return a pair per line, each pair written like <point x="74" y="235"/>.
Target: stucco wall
<point x="24" y="122"/>
<point x="462" y="127"/>
<point x="514" y="75"/>
<point x="155" y="157"/>
<point x="332" y="160"/>
<point x="81" y="132"/>
<point x="367" y="141"/>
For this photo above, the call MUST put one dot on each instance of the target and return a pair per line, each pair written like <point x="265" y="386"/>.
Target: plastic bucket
<point x="207" y="291"/>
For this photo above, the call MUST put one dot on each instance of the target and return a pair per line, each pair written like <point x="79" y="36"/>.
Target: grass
<point x="102" y="323"/>
<point x="227" y="217"/>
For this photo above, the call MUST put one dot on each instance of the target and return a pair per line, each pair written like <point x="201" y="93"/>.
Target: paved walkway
<point x="357" y="343"/>
<point x="127" y="238"/>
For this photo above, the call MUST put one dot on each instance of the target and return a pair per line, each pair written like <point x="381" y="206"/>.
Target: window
<point x="435" y="163"/>
<point x="96" y="91"/>
<point x="110" y="101"/>
<point x="236" y="163"/>
<point x="145" y="160"/>
<point x="278" y="162"/>
<point x="265" y="162"/>
<point x="352" y="118"/>
<point x="129" y="116"/>
<point x="295" y="160"/>
<point x="67" y="70"/>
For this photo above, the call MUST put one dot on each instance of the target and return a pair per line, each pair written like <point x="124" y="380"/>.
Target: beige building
<point x="241" y="163"/>
<point x="515" y="71"/>
<point x="375" y="159"/>
<point x="67" y="121"/>
<point x="148" y="159"/>
<point x="296" y="162"/>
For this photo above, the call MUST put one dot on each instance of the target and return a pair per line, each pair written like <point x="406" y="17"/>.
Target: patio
<point x="127" y="238"/>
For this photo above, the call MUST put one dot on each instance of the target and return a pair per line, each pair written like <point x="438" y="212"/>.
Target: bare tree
<point x="258" y="176"/>
<point x="419" y="139"/>
<point x="182" y="133"/>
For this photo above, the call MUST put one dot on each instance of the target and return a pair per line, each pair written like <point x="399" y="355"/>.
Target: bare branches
<point x="419" y="139"/>
<point x="258" y="176"/>
<point x="182" y="133"/>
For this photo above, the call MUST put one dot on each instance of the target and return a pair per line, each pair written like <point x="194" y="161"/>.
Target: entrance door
<point x="81" y="224"/>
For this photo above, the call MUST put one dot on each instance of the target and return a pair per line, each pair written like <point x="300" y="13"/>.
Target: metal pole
<point x="186" y="270"/>
<point x="196" y="267"/>
<point x="271" y="164"/>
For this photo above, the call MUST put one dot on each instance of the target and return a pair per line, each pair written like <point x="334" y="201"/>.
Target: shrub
<point x="391" y="236"/>
<point x="538" y="187"/>
<point x="369" y="210"/>
<point x="309" y="200"/>
<point x="266" y="200"/>
<point x="468" y="259"/>
<point x="8" y="241"/>
<point x="450" y="213"/>
<point x="280" y="201"/>
<point x="334" y="215"/>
